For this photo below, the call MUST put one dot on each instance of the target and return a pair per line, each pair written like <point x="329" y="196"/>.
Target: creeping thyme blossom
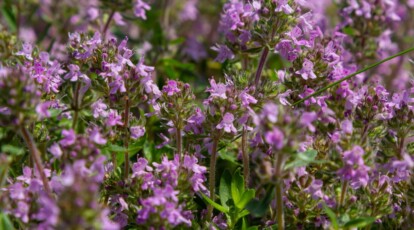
<point x="275" y="138"/>
<point x="171" y="88"/>
<point x="99" y="109"/>
<point x="224" y="53"/>
<point x="140" y="8"/>
<point x="227" y="123"/>
<point x="69" y="137"/>
<point x="42" y="109"/>
<point x="26" y="51"/>
<point x="283" y="5"/>
<point x="247" y="98"/>
<point x="306" y="120"/>
<point x="216" y="90"/>
<point x="194" y="123"/>
<point x="346" y="126"/>
<point x="354" y="170"/>
<point x="307" y="70"/>
<point x="137" y="131"/>
<point x="96" y="136"/>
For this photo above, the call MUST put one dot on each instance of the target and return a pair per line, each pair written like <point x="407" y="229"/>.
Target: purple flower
<point x="189" y="11"/>
<point x="69" y="137"/>
<point x="306" y="120"/>
<point x="137" y="131"/>
<point x="346" y="126"/>
<point x="307" y="70"/>
<point x="117" y="84"/>
<point x="55" y="150"/>
<point x="74" y="73"/>
<point x="315" y="189"/>
<point x="282" y="97"/>
<point x="114" y="119"/>
<point x="165" y="142"/>
<point x="224" y="53"/>
<point x="143" y="70"/>
<point x="99" y="109"/>
<point x="275" y="138"/>
<point x="140" y="168"/>
<point x="286" y="50"/>
<point x="227" y="123"/>
<point x="174" y="215"/>
<point x="96" y="136"/>
<point x="194" y="123"/>
<point x="118" y="19"/>
<point x="26" y="51"/>
<point x="217" y="90"/>
<point x="140" y="8"/>
<point x="270" y="112"/>
<point x="190" y="163"/>
<point x="171" y="88"/>
<point x="42" y="109"/>
<point x="354" y="169"/>
<point x="282" y="5"/>
<point x="247" y="99"/>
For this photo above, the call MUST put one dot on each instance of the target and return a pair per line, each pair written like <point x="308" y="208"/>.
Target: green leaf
<point x="7" y="12"/>
<point x="11" y="149"/>
<point x="215" y="205"/>
<point x="303" y="159"/>
<point x="242" y="213"/>
<point x="225" y="188"/>
<point x="259" y="208"/>
<point x="331" y="216"/>
<point x="5" y="222"/>
<point x="359" y="222"/>
<point x="237" y="186"/>
<point x="349" y="31"/>
<point x="246" y="198"/>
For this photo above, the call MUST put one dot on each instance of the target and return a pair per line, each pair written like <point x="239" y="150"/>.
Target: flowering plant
<point x="182" y="114"/>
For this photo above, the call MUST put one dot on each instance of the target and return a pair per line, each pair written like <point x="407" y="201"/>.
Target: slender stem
<point x="179" y="144"/>
<point x="353" y="75"/>
<point x="279" y="163"/>
<point x="111" y="15"/>
<point x="76" y="105"/>
<point x="262" y="62"/>
<point x="246" y="160"/>
<point x="126" y="140"/>
<point x="343" y="193"/>
<point x="113" y="156"/>
<point x="36" y="157"/>
<point x="212" y="179"/>
<point x="279" y="206"/>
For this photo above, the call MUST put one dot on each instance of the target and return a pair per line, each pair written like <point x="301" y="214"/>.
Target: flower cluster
<point x="115" y="114"/>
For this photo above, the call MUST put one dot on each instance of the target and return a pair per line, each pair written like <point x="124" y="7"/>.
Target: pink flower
<point x="227" y="123"/>
<point x="137" y="131"/>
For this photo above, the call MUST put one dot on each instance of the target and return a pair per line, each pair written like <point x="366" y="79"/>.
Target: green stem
<point x="246" y="160"/>
<point x="262" y="62"/>
<point x="179" y="143"/>
<point x="126" y="138"/>
<point x="37" y="159"/>
<point x="212" y="178"/>
<point x="76" y="105"/>
<point x="279" y="163"/>
<point x="352" y="75"/>
<point x="111" y="15"/>
<point x="343" y="193"/>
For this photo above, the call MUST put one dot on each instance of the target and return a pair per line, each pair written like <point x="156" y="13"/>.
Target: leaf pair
<point x="234" y="198"/>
